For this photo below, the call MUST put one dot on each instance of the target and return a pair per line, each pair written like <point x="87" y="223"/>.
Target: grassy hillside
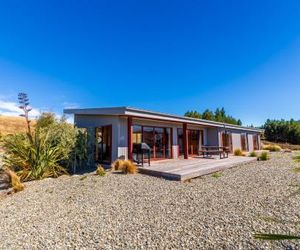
<point x="12" y="124"/>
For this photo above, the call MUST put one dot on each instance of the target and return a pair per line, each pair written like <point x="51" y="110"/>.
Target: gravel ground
<point x="143" y="212"/>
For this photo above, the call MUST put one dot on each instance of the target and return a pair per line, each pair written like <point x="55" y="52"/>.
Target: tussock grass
<point x="100" y="171"/>
<point x="272" y="148"/>
<point x="296" y="170"/>
<point x="16" y="183"/>
<point x="125" y="166"/>
<point x="217" y="175"/>
<point x="238" y="152"/>
<point x="253" y="154"/>
<point x="264" y="156"/>
<point x="297" y="158"/>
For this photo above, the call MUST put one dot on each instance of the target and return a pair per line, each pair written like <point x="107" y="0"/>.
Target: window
<point x="244" y="142"/>
<point x="103" y="144"/>
<point x="255" y="142"/>
<point x="137" y="134"/>
<point x="157" y="138"/>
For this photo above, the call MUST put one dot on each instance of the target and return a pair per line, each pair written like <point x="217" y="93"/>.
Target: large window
<point x="227" y="140"/>
<point x="137" y="134"/>
<point x="157" y="138"/>
<point x="103" y="144"/>
<point x="244" y="142"/>
<point x="255" y="142"/>
<point x="180" y="141"/>
<point x="195" y="140"/>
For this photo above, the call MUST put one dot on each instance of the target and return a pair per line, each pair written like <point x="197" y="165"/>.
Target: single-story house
<point x="113" y="131"/>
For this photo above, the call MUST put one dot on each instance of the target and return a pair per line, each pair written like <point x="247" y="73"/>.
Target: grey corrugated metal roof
<point x="130" y="111"/>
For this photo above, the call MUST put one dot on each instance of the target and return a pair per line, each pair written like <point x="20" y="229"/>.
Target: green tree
<point x="208" y="115"/>
<point x="219" y="115"/>
<point x="193" y="114"/>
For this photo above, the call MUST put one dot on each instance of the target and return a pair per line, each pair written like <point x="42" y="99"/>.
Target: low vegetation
<point x="238" y="152"/>
<point x="297" y="158"/>
<point x="15" y="181"/>
<point x="100" y="171"/>
<point x="272" y="148"/>
<point x="47" y="151"/>
<point x="296" y="170"/>
<point x="253" y="154"/>
<point x="276" y="237"/>
<point x="217" y="175"/>
<point x="264" y="156"/>
<point x="125" y="166"/>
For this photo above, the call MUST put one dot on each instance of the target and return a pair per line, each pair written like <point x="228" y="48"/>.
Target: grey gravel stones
<point x="142" y="212"/>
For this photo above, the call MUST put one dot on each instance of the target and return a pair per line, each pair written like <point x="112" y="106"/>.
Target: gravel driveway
<point x="143" y="212"/>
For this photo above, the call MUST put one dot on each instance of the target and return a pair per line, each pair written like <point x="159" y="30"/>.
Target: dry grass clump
<point x="253" y="154"/>
<point x="238" y="152"/>
<point x="296" y="170"/>
<point x="125" y="166"/>
<point x="293" y="147"/>
<point x="100" y="171"/>
<point x="272" y="147"/>
<point x="116" y="165"/>
<point x="15" y="181"/>
<point x="264" y="156"/>
<point x="217" y="175"/>
<point x="297" y="158"/>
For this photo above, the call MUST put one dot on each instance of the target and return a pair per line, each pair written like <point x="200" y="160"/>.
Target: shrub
<point x="125" y="166"/>
<point x="297" y="158"/>
<point x="33" y="160"/>
<point x="253" y="154"/>
<point x="217" y="175"/>
<point x="296" y="170"/>
<point x="272" y="148"/>
<point x="128" y="167"/>
<point x="264" y="156"/>
<point x="15" y="181"/>
<point x="117" y="165"/>
<point x="238" y="152"/>
<point x="100" y="171"/>
<point x="48" y="152"/>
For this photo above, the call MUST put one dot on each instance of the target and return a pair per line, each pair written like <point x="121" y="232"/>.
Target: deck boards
<point x="180" y="169"/>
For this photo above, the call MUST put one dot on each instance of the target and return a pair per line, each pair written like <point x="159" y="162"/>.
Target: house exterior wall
<point x="250" y="142"/>
<point x="118" y="139"/>
<point x="236" y="138"/>
<point x="236" y="141"/>
<point x="212" y="136"/>
<point x="172" y="125"/>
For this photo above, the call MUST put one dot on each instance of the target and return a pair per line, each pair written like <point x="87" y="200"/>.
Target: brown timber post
<point x="129" y="136"/>
<point x="185" y="141"/>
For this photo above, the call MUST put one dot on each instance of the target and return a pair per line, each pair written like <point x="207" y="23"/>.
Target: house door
<point x="193" y="142"/>
<point x="227" y="140"/>
<point x="103" y="144"/>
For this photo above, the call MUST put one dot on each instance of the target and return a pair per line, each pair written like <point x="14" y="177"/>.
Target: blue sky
<point x="169" y="56"/>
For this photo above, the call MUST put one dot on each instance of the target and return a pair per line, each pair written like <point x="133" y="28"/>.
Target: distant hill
<point x="12" y="124"/>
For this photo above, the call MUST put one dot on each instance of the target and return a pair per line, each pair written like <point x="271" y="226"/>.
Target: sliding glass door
<point x="103" y="144"/>
<point x="157" y="138"/>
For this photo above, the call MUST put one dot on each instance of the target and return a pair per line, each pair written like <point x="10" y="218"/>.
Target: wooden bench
<point x="209" y="151"/>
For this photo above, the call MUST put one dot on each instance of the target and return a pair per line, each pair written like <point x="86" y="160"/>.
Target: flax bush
<point x="48" y="152"/>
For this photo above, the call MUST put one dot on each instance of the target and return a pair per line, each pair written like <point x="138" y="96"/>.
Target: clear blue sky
<point x="169" y="56"/>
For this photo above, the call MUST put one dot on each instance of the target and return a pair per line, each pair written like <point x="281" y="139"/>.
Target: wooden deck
<point x="180" y="169"/>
